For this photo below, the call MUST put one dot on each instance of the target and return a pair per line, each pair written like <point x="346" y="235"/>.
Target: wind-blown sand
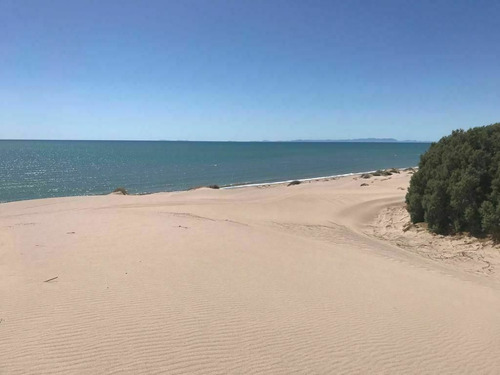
<point x="300" y="279"/>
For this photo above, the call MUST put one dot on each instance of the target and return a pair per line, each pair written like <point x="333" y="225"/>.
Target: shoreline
<point x="223" y="187"/>
<point x="257" y="184"/>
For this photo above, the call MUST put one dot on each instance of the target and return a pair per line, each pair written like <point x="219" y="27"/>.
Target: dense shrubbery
<point x="457" y="186"/>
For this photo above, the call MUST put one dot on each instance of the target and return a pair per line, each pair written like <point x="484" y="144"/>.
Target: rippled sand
<point x="273" y="280"/>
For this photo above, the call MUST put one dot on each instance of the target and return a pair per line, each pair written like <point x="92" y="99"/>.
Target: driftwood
<point x="46" y="281"/>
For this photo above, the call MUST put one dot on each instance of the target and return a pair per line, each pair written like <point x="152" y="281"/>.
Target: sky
<point x="238" y="70"/>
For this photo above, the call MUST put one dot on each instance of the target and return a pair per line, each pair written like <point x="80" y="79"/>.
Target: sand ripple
<point x="174" y="283"/>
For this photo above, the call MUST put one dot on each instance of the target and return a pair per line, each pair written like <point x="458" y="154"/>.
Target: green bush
<point x="457" y="186"/>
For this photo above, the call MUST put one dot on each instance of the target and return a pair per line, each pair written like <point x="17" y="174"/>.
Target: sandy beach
<point x="325" y="277"/>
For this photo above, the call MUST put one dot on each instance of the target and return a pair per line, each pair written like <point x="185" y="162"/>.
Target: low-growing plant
<point x="121" y="190"/>
<point x="381" y="172"/>
<point x="205" y="186"/>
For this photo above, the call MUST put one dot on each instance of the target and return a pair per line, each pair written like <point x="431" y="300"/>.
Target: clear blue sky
<point x="247" y="69"/>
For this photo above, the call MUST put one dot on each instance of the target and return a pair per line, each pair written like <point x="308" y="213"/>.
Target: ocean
<point x="43" y="169"/>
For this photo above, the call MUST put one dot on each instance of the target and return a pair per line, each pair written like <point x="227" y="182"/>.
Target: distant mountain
<point x="360" y="140"/>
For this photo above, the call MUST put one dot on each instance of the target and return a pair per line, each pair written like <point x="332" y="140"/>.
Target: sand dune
<point x="309" y="279"/>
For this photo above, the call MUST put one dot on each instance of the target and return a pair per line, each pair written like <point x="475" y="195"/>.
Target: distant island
<point x="361" y="140"/>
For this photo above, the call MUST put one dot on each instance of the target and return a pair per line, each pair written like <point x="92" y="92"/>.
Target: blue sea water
<point x="42" y="169"/>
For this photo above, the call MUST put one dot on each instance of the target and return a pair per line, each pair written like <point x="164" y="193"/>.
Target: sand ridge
<point x="300" y="279"/>
<point x="464" y="252"/>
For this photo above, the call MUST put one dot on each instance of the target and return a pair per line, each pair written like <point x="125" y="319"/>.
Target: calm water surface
<point x="41" y="169"/>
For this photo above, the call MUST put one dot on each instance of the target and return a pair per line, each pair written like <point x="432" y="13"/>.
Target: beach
<point x="52" y="169"/>
<point x="323" y="277"/>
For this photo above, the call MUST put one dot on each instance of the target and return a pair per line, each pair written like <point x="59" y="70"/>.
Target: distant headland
<point x="362" y="140"/>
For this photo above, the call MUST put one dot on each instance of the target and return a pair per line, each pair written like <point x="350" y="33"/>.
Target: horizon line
<point x="354" y="140"/>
